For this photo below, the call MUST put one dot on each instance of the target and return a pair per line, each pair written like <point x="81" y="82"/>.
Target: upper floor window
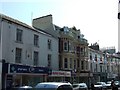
<point x="74" y="64"/>
<point x="95" y="57"/>
<point x="18" y="55"/>
<point x="119" y="14"/>
<point x="49" y="44"/>
<point x="49" y="60"/>
<point x="36" y="40"/>
<point x="82" y="65"/>
<point x="90" y="56"/>
<point x="78" y="63"/>
<point x="36" y="58"/>
<point x="65" y="46"/>
<point x="65" y="63"/>
<point x="70" y="63"/>
<point x="82" y="51"/>
<point x="19" y="34"/>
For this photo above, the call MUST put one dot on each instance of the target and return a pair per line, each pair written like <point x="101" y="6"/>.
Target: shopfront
<point x="59" y="76"/>
<point x="26" y="75"/>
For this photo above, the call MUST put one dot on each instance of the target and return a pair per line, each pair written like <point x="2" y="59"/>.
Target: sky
<point x="97" y="19"/>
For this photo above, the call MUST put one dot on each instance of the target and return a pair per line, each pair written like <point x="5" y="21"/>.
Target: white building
<point x="97" y="65"/>
<point x="22" y="44"/>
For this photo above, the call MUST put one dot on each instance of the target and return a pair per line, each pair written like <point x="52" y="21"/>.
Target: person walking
<point x="92" y="86"/>
<point x="113" y="86"/>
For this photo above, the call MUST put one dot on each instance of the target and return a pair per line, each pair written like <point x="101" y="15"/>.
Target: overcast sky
<point x="97" y="19"/>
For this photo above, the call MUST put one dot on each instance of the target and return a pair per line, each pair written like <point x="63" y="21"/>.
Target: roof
<point x="15" y="21"/>
<point x="4" y="17"/>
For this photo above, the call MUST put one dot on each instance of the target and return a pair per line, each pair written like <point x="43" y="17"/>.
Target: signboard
<point x="61" y="73"/>
<point x="15" y="68"/>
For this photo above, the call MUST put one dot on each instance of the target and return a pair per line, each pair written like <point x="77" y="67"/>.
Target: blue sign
<point x="15" y="68"/>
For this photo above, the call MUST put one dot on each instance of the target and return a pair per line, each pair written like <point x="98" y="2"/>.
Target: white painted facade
<point x="8" y="43"/>
<point x="96" y="66"/>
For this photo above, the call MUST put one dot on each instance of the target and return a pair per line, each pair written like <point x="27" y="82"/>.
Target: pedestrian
<point x="92" y="86"/>
<point x="113" y="86"/>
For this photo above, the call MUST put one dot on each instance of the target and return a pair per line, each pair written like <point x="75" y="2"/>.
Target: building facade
<point x="29" y="53"/>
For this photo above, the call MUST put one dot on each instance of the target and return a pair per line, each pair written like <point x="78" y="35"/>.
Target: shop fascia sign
<point x="61" y="73"/>
<point x="16" y="68"/>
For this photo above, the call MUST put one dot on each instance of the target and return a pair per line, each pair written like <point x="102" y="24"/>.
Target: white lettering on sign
<point x="61" y="73"/>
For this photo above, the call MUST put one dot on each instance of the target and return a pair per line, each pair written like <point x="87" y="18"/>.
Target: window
<point x="78" y="63"/>
<point x="49" y="44"/>
<point x="119" y="14"/>
<point x="74" y="64"/>
<point x="18" y="55"/>
<point x="65" y="46"/>
<point x="95" y="57"/>
<point x="71" y="63"/>
<point x="90" y="56"/>
<point x="82" y="65"/>
<point x="82" y="51"/>
<point x="19" y="35"/>
<point x="100" y="68"/>
<point x="65" y="63"/>
<point x="36" y="58"/>
<point x="49" y="60"/>
<point x="36" y="39"/>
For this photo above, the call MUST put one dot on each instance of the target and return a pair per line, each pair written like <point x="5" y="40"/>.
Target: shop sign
<point x="15" y="68"/>
<point x="61" y="73"/>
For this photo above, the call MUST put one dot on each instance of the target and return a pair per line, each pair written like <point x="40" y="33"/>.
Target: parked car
<point x="80" y="86"/>
<point x="108" y="84"/>
<point x="117" y="83"/>
<point x="100" y="86"/>
<point x="23" y="88"/>
<point x="53" y="86"/>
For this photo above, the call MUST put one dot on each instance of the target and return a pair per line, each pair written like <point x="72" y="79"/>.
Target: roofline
<point x="42" y="17"/>
<point x="4" y="17"/>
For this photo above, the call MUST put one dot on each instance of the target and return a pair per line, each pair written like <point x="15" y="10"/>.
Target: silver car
<point x="80" y="86"/>
<point x="53" y="86"/>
